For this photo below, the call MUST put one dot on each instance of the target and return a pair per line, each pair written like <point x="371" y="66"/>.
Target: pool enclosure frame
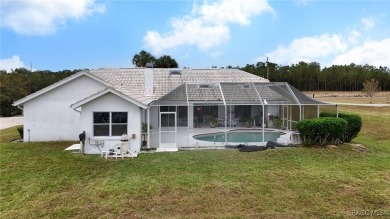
<point x="262" y="96"/>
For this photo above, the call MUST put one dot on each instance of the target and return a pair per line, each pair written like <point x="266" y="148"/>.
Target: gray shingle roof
<point x="131" y="81"/>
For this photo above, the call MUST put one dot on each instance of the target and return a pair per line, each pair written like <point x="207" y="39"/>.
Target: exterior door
<point x="167" y="131"/>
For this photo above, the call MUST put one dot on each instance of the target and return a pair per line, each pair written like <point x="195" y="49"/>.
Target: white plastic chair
<point x="234" y="122"/>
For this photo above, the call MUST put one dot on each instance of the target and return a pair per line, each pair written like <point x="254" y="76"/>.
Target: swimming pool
<point x="240" y="136"/>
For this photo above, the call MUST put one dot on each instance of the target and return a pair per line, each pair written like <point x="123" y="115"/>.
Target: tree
<point x="142" y="58"/>
<point x="13" y="86"/>
<point x="371" y="87"/>
<point x="22" y="82"/>
<point x="166" y="61"/>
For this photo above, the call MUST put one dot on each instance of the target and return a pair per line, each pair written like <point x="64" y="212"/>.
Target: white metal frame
<point x="286" y="108"/>
<point x="168" y="145"/>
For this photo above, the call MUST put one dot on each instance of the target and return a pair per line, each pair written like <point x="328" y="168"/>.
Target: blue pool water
<point x="239" y="136"/>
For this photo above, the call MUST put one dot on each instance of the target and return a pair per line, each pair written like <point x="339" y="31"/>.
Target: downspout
<point x="263" y="121"/>
<point x="188" y="116"/>
<point x="148" y="132"/>
<point x="225" y="122"/>
<point x="76" y="110"/>
<point x="79" y="111"/>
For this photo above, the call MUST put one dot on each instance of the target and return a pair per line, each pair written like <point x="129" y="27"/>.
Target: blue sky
<point x="62" y="34"/>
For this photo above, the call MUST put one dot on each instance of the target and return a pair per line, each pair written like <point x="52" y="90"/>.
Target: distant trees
<point x="144" y="57"/>
<point x="371" y="87"/>
<point x="166" y="61"/>
<point x="310" y="76"/>
<point x="22" y="82"/>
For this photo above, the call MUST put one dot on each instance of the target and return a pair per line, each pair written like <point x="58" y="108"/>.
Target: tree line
<point x="310" y="77"/>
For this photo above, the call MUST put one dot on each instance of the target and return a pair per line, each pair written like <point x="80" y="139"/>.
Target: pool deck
<point x="184" y="139"/>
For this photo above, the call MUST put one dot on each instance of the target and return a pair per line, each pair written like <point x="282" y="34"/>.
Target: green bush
<point x="322" y="130"/>
<point x="354" y="124"/>
<point x="20" y="130"/>
<point x="307" y="130"/>
<point x="213" y="122"/>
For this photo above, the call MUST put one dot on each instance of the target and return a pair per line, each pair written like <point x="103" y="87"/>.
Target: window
<point x="109" y="123"/>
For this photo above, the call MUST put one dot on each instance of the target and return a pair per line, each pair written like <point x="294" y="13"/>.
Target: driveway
<point x="6" y="122"/>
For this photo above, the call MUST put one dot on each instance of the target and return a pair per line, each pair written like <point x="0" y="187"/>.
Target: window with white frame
<point x="109" y="123"/>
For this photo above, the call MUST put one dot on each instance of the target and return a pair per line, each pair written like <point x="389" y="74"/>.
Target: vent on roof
<point x="175" y="72"/>
<point x="205" y="86"/>
<point x="244" y="86"/>
<point x="149" y="65"/>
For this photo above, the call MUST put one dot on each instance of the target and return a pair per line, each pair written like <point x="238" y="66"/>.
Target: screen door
<point x="168" y="130"/>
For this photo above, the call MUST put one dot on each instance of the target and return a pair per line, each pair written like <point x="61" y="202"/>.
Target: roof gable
<point x="58" y="84"/>
<point x="106" y="91"/>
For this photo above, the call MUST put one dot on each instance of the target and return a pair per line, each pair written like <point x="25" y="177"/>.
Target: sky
<point x="57" y="35"/>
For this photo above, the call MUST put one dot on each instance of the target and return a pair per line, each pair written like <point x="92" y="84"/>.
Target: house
<point x="107" y="103"/>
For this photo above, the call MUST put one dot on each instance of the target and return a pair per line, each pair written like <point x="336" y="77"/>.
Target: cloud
<point x="33" y="17"/>
<point x="368" y="23"/>
<point x="371" y="52"/>
<point x="11" y="63"/>
<point x="353" y="46"/>
<point x="353" y="36"/>
<point x="207" y="26"/>
<point x="306" y="49"/>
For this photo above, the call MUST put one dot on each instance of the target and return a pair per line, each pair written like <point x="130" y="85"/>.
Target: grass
<point x="382" y="97"/>
<point x="42" y="180"/>
<point x="9" y="134"/>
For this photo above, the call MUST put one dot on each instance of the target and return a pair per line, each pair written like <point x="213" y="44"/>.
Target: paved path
<point x="6" y="122"/>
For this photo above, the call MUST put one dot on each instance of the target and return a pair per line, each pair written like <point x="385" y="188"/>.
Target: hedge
<point x="322" y="130"/>
<point x="354" y="124"/>
<point x="20" y="130"/>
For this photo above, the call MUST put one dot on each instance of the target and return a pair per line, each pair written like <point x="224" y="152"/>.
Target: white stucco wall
<point x="110" y="103"/>
<point x="49" y="117"/>
<point x="154" y="115"/>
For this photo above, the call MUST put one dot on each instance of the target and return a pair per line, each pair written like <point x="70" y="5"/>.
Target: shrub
<point x="322" y="130"/>
<point x="213" y="122"/>
<point x="20" y="130"/>
<point x="307" y="130"/>
<point x="277" y="123"/>
<point x="248" y="122"/>
<point x="354" y="124"/>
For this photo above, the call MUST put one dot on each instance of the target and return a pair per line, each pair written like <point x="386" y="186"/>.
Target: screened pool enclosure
<point x="210" y="107"/>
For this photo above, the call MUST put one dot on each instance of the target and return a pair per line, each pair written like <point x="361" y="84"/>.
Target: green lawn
<point x="9" y="134"/>
<point x="42" y="180"/>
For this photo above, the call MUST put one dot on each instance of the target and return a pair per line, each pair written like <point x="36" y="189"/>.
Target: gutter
<point x="79" y="111"/>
